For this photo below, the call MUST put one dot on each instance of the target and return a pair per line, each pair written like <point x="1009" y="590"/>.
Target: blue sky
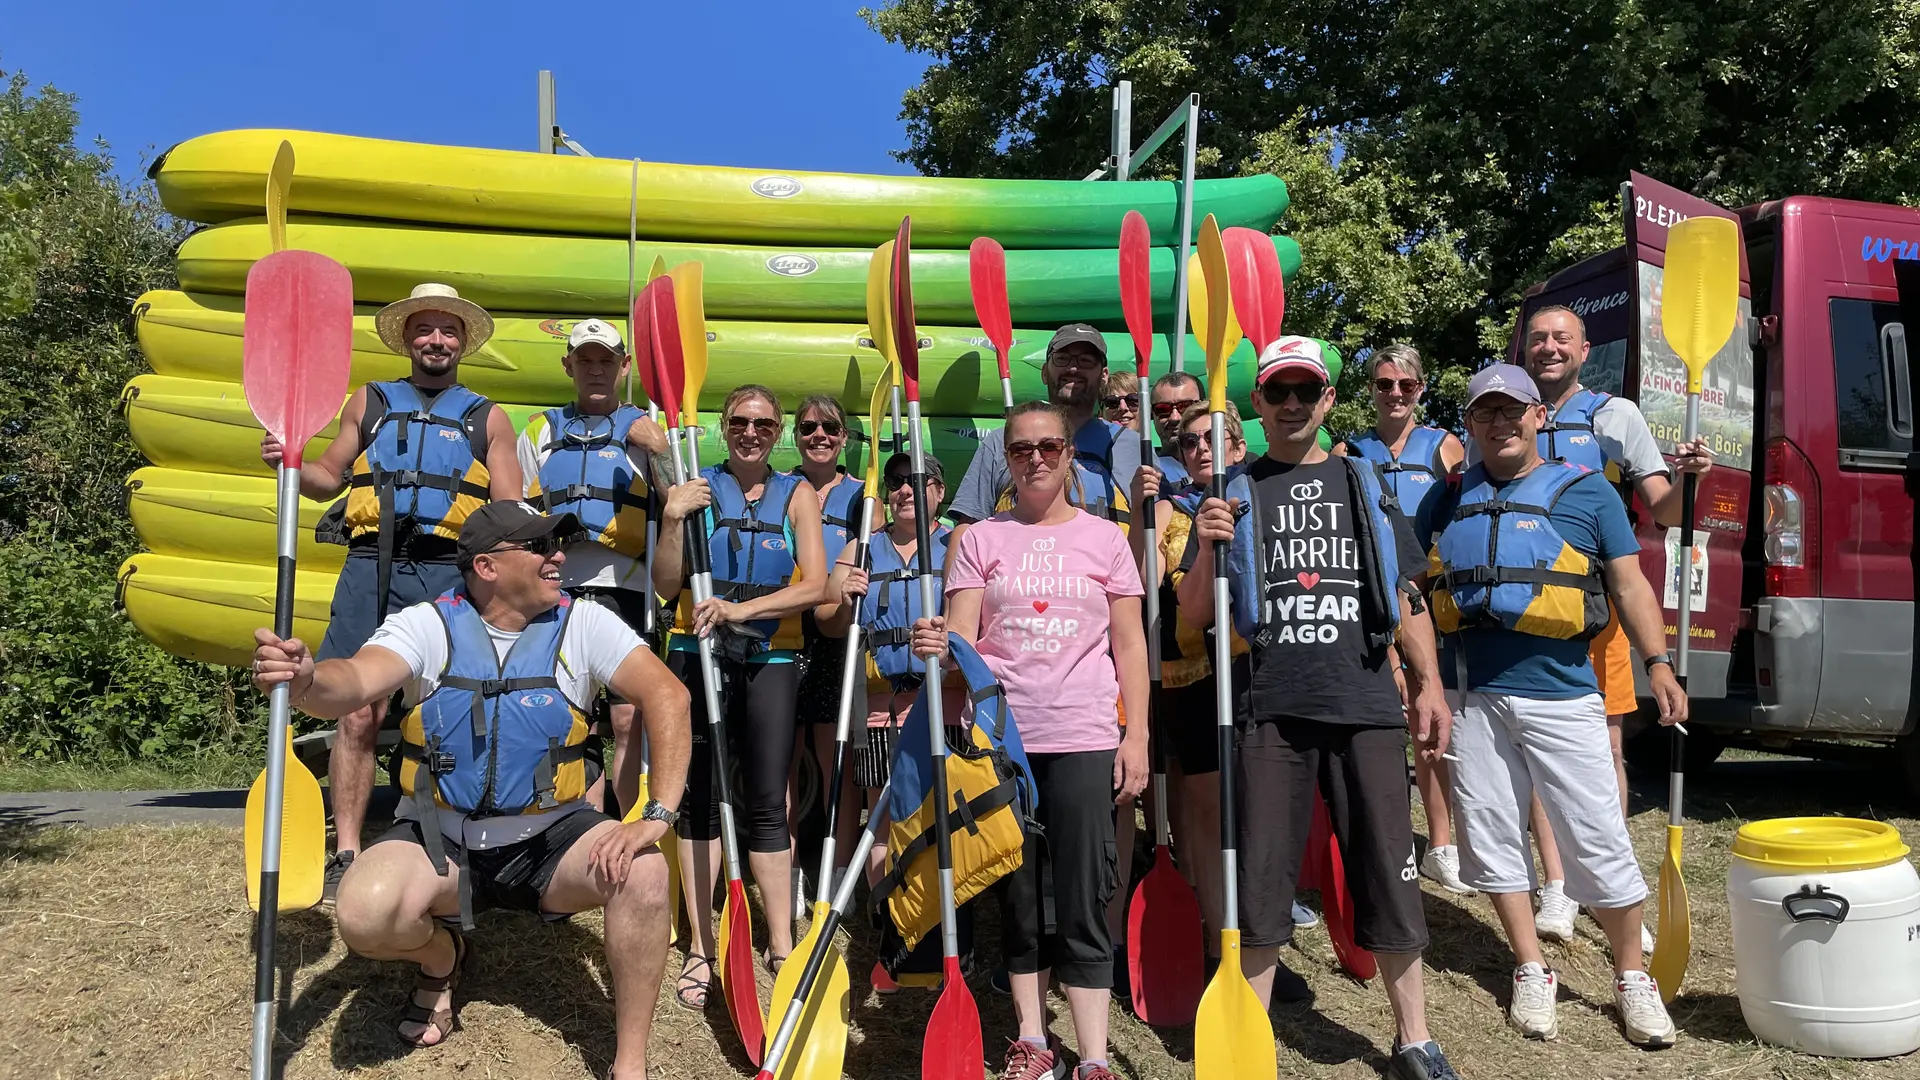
<point x="797" y="85"/>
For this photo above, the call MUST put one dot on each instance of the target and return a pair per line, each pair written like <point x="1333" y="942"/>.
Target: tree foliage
<point x="1482" y="140"/>
<point x="77" y="246"/>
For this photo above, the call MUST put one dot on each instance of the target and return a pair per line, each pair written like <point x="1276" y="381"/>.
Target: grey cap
<point x="1081" y="333"/>
<point x="1507" y="380"/>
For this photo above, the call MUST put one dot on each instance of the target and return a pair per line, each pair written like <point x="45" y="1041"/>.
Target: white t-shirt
<point x="592" y="648"/>
<point x="589" y="563"/>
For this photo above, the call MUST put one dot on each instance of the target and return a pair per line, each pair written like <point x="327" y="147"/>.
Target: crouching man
<point x="496" y="677"/>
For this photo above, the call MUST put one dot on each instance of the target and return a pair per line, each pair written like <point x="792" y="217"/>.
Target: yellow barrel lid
<point x="1820" y="843"/>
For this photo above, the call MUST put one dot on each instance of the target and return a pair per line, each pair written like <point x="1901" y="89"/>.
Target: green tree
<point x="76" y="247"/>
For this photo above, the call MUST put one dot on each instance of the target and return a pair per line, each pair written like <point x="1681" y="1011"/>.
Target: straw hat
<point x="391" y="322"/>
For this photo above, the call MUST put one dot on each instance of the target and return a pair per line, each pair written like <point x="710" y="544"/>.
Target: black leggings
<point x="1064" y="928"/>
<point x="759" y="700"/>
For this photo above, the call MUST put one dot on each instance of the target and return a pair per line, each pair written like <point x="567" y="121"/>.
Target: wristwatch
<point x="656" y="811"/>
<point x="1660" y="658"/>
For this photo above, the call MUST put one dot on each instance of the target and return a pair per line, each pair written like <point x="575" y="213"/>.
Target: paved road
<point x="104" y="808"/>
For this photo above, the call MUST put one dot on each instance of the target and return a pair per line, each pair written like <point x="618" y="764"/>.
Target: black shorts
<point x="1187" y="719"/>
<point x="514" y="876"/>
<point x="356" y="614"/>
<point x="1361" y="772"/>
<point x="628" y="605"/>
<point x="1072" y="861"/>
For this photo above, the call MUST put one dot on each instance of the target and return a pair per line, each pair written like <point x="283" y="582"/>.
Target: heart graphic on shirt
<point x="1306" y="579"/>
<point x="1040" y="606"/>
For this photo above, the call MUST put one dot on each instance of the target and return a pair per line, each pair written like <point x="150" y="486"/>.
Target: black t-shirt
<point x="1317" y="663"/>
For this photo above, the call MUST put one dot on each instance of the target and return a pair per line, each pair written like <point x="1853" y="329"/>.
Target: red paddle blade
<point x="1253" y="272"/>
<point x="1136" y="287"/>
<point x="952" y="1050"/>
<point x="669" y="363"/>
<point x="906" y="335"/>
<point x="987" y="270"/>
<point x="1336" y="901"/>
<point x="297" y="346"/>
<point x="640" y="348"/>
<point x="1166" y="956"/>
<point x="737" y="975"/>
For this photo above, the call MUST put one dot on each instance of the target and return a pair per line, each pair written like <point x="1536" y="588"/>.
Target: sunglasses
<point x="738" y="425"/>
<point x="1407" y="386"/>
<point x="1166" y="410"/>
<point x="1511" y="412"/>
<point x="1079" y="361"/>
<point x="1131" y="401"/>
<point x="895" y="481"/>
<point x="1277" y="393"/>
<point x="1048" y="449"/>
<point x="1189" y="441"/>
<point x="542" y="546"/>
<point x="833" y="428"/>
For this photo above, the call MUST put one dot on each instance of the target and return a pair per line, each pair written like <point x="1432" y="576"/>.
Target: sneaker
<point x="1442" y="864"/>
<point x="1422" y="1062"/>
<point x="883" y="983"/>
<point x="1641" y="1011"/>
<point x="1534" y="1011"/>
<point x="1303" y="917"/>
<point x="1288" y="987"/>
<point x="1095" y="1071"/>
<point x="336" y="869"/>
<point x="1026" y="1061"/>
<point x="1554" y="920"/>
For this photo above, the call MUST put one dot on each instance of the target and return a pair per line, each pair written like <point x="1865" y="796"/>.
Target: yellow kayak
<point x="208" y="611"/>
<point x="222" y="176"/>
<point x="214" y="517"/>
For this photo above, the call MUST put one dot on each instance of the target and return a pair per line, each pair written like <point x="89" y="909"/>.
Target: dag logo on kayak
<point x="792" y="265"/>
<point x="777" y="187"/>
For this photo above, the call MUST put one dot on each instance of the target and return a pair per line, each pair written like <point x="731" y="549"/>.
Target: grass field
<point x="124" y="953"/>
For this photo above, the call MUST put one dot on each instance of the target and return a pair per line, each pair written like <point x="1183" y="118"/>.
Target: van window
<point x="1606" y="367"/>
<point x="1868" y="339"/>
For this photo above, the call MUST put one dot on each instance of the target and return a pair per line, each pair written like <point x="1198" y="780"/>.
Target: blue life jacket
<point x="587" y="472"/>
<point x="892" y="604"/>
<point x="1372" y="507"/>
<point x="839" y="514"/>
<point x="423" y="466"/>
<point x="1172" y="470"/>
<point x="1568" y="434"/>
<point x="992" y="797"/>
<point x="1503" y="564"/>
<point x="749" y="551"/>
<point x="1414" y="477"/>
<point x="1095" y="489"/>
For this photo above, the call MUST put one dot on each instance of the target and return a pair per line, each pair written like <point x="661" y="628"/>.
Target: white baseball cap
<point x="597" y="331"/>
<point x="1293" y="353"/>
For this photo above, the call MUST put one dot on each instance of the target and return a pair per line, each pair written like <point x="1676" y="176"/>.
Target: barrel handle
<point x="1814" y="903"/>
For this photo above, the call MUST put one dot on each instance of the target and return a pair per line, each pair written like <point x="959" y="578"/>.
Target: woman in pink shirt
<point x="1051" y="598"/>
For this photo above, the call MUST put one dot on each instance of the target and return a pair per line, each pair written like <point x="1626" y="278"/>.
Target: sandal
<point x="688" y="984"/>
<point x="773" y="962"/>
<point x="442" y="1021"/>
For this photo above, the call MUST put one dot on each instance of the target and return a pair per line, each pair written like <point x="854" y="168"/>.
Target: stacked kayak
<point x="541" y="241"/>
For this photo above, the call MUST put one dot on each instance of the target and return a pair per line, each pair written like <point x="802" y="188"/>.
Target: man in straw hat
<point x="416" y="456"/>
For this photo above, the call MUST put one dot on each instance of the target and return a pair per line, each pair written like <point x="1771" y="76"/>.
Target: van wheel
<point x="1650" y="753"/>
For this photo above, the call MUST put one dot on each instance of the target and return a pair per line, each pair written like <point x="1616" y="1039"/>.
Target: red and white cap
<point x="1293" y="353"/>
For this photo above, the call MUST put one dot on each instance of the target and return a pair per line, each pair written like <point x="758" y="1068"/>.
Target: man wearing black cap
<point x="496" y="677"/>
<point x="1107" y="457"/>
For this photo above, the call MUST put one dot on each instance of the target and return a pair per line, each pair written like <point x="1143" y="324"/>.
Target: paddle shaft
<point x="1223" y="688"/>
<point x="936" y="720"/>
<point x="1150" y="574"/>
<point x="1683" y="623"/>
<point x="266" y="926"/>
<point x="848" y="681"/>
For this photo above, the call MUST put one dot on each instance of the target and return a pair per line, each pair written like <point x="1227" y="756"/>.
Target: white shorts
<point x="1509" y="748"/>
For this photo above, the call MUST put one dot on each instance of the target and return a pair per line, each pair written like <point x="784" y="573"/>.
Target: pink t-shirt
<point x="1044" y="619"/>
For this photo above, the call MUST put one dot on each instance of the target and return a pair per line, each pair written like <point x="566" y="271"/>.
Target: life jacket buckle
<point x="440" y="762"/>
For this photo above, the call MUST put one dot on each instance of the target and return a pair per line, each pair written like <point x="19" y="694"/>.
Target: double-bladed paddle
<point x="1232" y="1036"/>
<point x="1166" y="938"/>
<point x="952" y="1049"/>
<point x="1699" y="304"/>
<point x="987" y="271"/>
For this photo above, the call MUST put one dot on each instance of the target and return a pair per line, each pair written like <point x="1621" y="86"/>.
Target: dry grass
<point x="124" y="953"/>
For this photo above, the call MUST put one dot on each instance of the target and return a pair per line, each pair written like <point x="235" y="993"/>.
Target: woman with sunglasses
<point x="1415" y="459"/>
<point x="1051" y="597"/>
<point x="1120" y="401"/>
<point x="764" y="540"/>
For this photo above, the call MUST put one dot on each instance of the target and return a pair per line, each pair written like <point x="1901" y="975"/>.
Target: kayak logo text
<point x="777" y="187"/>
<point x="792" y="265"/>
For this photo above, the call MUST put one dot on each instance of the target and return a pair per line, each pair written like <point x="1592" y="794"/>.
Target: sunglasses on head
<point x="764" y="425"/>
<point x="1167" y="410"/>
<point x="1048" y="449"/>
<point x="1131" y="401"/>
<point x="1407" y="386"/>
<point x="542" y="546"/>
<point x="1511" y="412"/>
<point x="833" y="428"/>
<point x="1277" y="393"/>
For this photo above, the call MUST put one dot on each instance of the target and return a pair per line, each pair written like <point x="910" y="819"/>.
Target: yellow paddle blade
<point x="1674" y="946"/>
<point x="690" y="305"/>
<point x="669" y="846"/>
<point x="279" y="182"/>
<point x="659" y="269"/>
<point x="877" y="408"/>
<point x="819" y="1047"/>
<point x="1222" y="331"/>
<point x="1232" y="1036"/>
<point x="880" y="302"/>
<point x="303" y="837"/>
<point x="1700" y="293"/>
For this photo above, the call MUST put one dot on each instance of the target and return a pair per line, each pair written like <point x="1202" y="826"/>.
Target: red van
<point x="1804" y="550"/>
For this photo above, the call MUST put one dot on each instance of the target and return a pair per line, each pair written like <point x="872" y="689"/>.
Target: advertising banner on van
<point x="1727" y="401"/>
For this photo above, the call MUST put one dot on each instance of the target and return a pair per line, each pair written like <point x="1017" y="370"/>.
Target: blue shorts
<point x="354" y="616"/>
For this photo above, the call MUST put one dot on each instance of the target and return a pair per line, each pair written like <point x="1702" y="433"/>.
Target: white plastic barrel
<point x="1826" y="936"/>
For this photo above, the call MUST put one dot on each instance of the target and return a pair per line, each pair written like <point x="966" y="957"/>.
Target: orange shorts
<point x="1613" y="666"/>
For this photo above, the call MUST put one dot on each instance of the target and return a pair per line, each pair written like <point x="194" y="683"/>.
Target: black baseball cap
<point x="901" y="459"/>
<point x="513" y="522"/>
<point x="1078" y="333"/>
